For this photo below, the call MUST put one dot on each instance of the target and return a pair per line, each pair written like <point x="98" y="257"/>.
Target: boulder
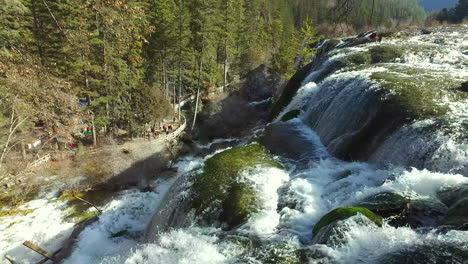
<point x="218" y="196"/>
<point x="260" y="84"/>
<point x="423" y="213"/>
<point x="328" y="231"/>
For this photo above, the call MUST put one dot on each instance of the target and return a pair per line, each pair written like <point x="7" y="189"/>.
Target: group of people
<point x="155" y="133"/>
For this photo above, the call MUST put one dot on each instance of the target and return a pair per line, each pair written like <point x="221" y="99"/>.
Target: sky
<point x="431" y="5"/>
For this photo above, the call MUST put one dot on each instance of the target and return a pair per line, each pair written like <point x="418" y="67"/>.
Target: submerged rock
<point x="457" y="215"/>
<point x="426" y="255"/>
<point x="451" y="195"/>
<point x="218" y="196"/>
<point x="385" y="53"/>
<point x="290" y="115"/>
<point x="278" y="252"/>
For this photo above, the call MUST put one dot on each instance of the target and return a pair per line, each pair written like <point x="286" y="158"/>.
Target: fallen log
<point x="38" y="250"/>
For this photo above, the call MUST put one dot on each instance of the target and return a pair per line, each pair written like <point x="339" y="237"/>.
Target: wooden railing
<point x="174" y="133"/>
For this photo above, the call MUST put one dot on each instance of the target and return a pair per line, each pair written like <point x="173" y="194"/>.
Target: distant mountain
<point x="434" y="5"/>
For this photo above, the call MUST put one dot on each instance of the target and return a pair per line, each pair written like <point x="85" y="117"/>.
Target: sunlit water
<point x="324" y="184"/>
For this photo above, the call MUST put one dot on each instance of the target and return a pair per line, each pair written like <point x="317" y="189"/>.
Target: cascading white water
<point x="294" y="198"/>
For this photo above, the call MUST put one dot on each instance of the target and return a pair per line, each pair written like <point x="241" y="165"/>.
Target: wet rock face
<point x="295" y="147"/>
<point x="367" y="93"/>
<point x="260" y="84"/>
<point x="227" y="117"/>
<point x="423" y="213"/>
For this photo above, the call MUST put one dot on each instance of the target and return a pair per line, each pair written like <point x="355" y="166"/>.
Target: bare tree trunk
<point x="225" y="47"/>
<point x="23" y="150"/>
<point x="180" y="61"/>
<point x="198" y="91"/>
<point x="94" y="130"/>
<point x="180" y="90"/>
<point x="15" y="123"/>
<point x="174" y="96"/>
<point x="166" y="92"/>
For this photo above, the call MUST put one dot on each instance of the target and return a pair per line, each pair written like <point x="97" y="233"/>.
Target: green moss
<point x="418" y="96"/>
<point x="79" y="214"/>
<point x="15" y="211"/>
<point x="290" y="115"/>
<point x="85" y="216"/>
<point x="17" y="198"/>
<point x="385" y="53"/>
<point x="359" y="58"/>
<point x="344" y="213"/>
<point x="217" y="187"/>
<point x="241" y="203"/>
<point x="77" y="210"/>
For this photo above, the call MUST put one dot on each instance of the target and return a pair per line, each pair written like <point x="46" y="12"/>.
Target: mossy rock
<point x="216" y="189"/>
<point x="457" y="215"/>
<point x="417" y="97"/>
<point x="241" y="203"/>
<point x="359" y="58"/>
<point x="450" y="195"/>
<point x="385" y="53"/>
<point x="345" y="213"/>
<point x="290" y="115"/>
<point x="386" y="204"/>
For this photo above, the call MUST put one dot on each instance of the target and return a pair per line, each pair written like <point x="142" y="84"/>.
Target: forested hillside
<point x="457" y="14"/>
<point x="358" y="15"/>
<point x="125" y="59"/>
<point x="124" y="62"/>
